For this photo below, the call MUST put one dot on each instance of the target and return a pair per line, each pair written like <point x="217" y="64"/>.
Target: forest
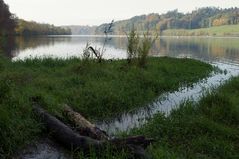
<point x="27" y="28"/>
<point x="12" y="25"/>
<point x="200" y="18"/>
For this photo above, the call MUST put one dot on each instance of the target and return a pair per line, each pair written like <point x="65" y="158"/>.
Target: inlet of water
<point x="169" y="101"/>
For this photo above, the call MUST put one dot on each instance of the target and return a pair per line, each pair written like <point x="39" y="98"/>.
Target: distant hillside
<point x="81" y="30"/>
<point x="201" y="18"/>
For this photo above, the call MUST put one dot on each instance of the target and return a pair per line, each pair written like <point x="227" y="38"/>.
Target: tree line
<point x="11" y="25"/>
<point x="27" y="28"/>
<point x="199" y="18"/>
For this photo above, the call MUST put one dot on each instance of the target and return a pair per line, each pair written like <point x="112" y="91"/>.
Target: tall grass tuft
<point x="144" y="48"/>
<point x="99" y="52"/>
<point x="137" y="48"/>
<point x="4" y="90"/>
<point x="132" y="46"/>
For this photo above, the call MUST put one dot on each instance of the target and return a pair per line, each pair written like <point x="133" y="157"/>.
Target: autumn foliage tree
<point x="200" y="18"/>
<point x="7" y="20"/>
<point x="31" y="28"/>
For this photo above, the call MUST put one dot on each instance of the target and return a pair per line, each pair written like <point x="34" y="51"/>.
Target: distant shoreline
<point x="225" y="31"/>
<point x="229" y="31"/>
<point x="161" y="36"/>
<point x="218" y="31"/>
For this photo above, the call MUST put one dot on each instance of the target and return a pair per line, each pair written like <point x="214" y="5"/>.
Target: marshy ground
<point x="206" y="129"/>
<point x="97" y="90"/>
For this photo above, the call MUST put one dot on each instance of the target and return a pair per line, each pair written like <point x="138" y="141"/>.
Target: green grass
<point x="97" y="90"/>
<point x="207" y="129"/>
<point x="225" y="30"/>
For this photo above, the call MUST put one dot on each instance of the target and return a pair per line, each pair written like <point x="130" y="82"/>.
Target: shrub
<point x="137" y="48"/>
<point x="132" y="47"/>
<point x="144" y="48"/>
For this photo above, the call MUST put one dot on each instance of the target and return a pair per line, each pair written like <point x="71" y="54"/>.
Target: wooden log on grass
<point x="64" y="134"/>
<point x="74" y="141"/>
<point x="95" y="132"/>
<point x="83" y="125"/>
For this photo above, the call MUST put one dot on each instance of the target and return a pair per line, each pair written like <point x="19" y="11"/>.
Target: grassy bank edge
<point x="207" y="129"/>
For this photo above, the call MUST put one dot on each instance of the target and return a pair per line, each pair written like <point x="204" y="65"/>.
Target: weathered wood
<point x="83" y="125"/>
<point x="63" y="134"/>
<point x="74" y="141"/>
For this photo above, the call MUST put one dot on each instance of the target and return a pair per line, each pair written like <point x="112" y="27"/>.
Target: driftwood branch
<point x="72" y="140"/>
<point x="96" y="53"/>
<point x="83" y="125"/>
<point x="65" y="135"/>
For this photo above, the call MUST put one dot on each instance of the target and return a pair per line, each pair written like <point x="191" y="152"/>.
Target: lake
<point x="204" y="48"/>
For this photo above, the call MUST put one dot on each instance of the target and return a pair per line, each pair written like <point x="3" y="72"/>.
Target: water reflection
<point x="65" y="47"/>
<point x="209" y="49"/>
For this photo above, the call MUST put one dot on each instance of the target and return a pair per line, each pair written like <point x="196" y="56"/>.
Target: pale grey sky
<point x="94" y="12"/>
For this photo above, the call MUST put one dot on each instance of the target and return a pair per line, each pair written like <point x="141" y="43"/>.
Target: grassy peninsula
<point x="97" y="90"/>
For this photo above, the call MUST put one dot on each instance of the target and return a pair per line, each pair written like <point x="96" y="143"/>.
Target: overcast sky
<point x="94" y="12"/>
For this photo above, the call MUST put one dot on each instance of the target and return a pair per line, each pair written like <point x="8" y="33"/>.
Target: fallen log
<point x="85" y="127"/>
<point x="74" y="141"/>
<point x="91" y="130"/>
<point x="65" y="135"/>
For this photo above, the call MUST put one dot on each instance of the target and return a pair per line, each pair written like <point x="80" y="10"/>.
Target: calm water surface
<point x="204" y="48"/>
